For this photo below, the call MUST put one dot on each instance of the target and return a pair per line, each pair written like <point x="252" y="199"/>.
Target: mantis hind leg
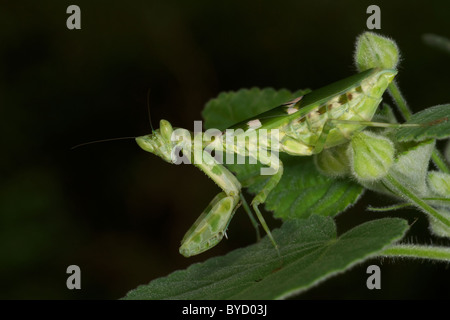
<point x="262" y="196"/>
<point x="251" y="216"/>
<point x="331" y="124"/>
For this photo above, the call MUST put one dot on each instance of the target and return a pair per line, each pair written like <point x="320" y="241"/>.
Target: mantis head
<point x="160" y="142"/>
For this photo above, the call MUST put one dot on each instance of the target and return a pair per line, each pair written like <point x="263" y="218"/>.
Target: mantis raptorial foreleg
<point x="211" y="226"/>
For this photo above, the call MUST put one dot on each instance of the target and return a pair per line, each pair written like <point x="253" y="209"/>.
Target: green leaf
<point x="436" y="122"/>
<point x="438" y="228"/>
<point x="310" y="252"/>
<point x="410" y="169"/>
<point x="232" y="107"/>
<point x="447" y="151"/>
<point x="302" y="190"/>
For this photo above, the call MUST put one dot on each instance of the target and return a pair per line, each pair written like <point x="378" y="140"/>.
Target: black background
<point x="119" y="212"/>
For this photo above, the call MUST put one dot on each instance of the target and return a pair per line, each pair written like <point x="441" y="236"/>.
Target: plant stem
<point x="439" y="162"/>
<point x="417" y="201"/>
<point x="418" y="251"/>
<point x="399" y="100"/>
<point x="389" y="208"/>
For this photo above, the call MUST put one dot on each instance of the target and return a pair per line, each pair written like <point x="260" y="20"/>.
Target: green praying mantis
<point x="305" y="126"/>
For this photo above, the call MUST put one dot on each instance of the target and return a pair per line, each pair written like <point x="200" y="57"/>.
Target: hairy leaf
<point x="302" y="190"/>
<point x="436" y="125"/>
<point x="310" y="252"/>
<point x="410" y="169"/>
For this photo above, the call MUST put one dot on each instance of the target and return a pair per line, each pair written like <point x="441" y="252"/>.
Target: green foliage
<point x="410" y="169"/>
<point x="435" y="121"/>
<point x="303" y="191"/>
<point x="310" y="253"/>
<point x="439" y="182"/>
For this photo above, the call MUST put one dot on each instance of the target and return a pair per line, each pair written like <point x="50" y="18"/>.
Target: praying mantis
<point x="305" y="126"/>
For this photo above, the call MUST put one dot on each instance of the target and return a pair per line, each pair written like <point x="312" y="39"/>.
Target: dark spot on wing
<point x="343" y="99"/>
<point x="322" y="109"/>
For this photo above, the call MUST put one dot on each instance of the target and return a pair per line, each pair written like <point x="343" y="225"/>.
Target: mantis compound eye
<point x="145" y="143"/>
<point x="166" y="129"/>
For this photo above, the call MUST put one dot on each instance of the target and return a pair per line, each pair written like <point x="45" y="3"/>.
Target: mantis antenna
<point x="120" y="138"/>
<point x="98" y="141"/>
<point x="148" y="110"/>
